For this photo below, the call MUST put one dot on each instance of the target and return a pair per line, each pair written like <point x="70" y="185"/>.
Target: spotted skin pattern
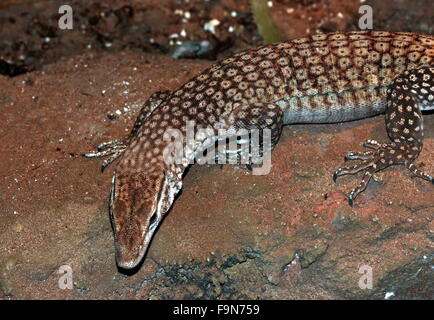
<point x="323" y="78"/>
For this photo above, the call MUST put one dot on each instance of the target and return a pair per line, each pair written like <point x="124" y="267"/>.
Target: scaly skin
<point x="323" y="78"/>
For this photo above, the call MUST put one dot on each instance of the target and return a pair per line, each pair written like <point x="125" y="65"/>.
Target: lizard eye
<point x="153" y="220"/>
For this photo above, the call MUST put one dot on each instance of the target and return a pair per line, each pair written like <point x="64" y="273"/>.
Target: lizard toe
<point x="350" y="200"/>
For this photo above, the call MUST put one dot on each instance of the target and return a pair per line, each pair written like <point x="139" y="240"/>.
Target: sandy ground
<point x="286" y="235"/>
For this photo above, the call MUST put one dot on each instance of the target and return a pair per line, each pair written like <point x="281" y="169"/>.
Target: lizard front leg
<point x="258" y="116"/>
<point x="115" y="148"/>
<point x="410" y="92"/>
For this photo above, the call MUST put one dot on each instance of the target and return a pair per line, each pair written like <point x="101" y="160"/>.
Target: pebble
<point x="88" y="200"/>
<point x="389" y="295"/>
<point x="10" y="264"/>
<point x="210" y="25"/>
<point x="17" y="227"/>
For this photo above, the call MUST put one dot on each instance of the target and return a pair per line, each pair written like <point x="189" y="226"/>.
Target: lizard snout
<point x="129" y="246"/>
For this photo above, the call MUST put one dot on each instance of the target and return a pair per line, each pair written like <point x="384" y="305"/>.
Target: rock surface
<point x="286" y="235"/>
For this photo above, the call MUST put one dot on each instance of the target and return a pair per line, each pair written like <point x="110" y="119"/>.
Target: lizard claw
<point x="104" y="165"/>
<point x="351" y="156"/>
<point x="336" y="174"/>
<point x="351" y="200"/>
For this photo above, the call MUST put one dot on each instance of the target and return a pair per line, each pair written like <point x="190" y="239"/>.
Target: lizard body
<point x="323" y="78"/>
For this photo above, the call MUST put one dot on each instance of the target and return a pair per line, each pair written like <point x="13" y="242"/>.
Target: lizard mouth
<point x="128" y="264"/>
<point x="131" y="259"/>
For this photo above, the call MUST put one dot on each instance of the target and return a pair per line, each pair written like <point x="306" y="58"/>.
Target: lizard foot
<point x="381" y="157"/>
<point x="113" y="149"/>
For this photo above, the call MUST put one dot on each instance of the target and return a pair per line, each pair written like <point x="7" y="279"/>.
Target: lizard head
<point x="137" y="204"/>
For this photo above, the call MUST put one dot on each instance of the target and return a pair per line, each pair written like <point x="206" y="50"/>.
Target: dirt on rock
<point x="230" y="235"/>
